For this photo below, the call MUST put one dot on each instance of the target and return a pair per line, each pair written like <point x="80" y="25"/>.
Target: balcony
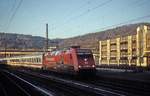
<point x="123" y="48"/>
<point x="148" y="45"/>
<point x="103" y="50"/>
<point x="113" y="54"/>
<point x="104" y="56"/>
<point x="123" y="54"/>
<point x="148" y="41"/>
<point x="134" y="48"/>
<point x="124" y="62"/>
<point x="133" y="62"/>
<point x="104" y="62"/>
<point x="114" y="47"/>
<point x="104" y="47"/>
<point x="134" y="38"/>
<point x="148" y="48"/>
<point x="113" y="41"/>
<point x="103" y="43"/>
<point x="113" y="62"/>
<point x="133" y="45"/>
<point x="134" y="54"/>
<point x="123" y="39"/>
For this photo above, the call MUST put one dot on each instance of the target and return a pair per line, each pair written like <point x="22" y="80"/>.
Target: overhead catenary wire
<point x="92" y="9"/>
<point x="9" y="14"/>
<point x="80" y="7"/>
<point x="13" y="14"/>
<point x="84" y="13"/>
<point x="141" y="2"/>
<point x="125" y="22"/>
<point x="9" y="23"/>
<point x="136" y="3"/>
<point x="73" y="12"/>
<point x="102" y="4"/>
<point x="114" y="25"/>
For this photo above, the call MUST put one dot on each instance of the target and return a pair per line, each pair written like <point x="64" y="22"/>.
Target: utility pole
<point x="46" y="41"/>
<point x="5" y="44"/>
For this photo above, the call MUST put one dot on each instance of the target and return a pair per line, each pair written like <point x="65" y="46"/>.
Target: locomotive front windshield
<point x="85" y="58"/>
<point x="84" y="53"/>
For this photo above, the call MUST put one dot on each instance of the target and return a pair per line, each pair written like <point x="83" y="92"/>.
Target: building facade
<point x="131" y="50"/>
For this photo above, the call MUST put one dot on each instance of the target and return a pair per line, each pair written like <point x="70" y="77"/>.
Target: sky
<point x="69" y="18"/>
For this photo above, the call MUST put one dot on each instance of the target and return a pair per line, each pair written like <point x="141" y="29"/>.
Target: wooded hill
<point x="20" y="41"/>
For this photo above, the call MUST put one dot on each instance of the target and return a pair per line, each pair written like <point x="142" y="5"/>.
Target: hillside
<point x="20" y="41"/>
<point x="91" y="40"/>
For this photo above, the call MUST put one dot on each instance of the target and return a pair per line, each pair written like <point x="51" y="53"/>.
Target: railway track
<point x="121" y="86"/>
<point x="12" y="85"/>
<point x="99" y="86"/>
<point x="130" y="87"/>
<point x="74" y="88"/>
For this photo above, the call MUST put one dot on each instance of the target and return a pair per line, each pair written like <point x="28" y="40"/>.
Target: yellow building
<point x="131" y="50"/>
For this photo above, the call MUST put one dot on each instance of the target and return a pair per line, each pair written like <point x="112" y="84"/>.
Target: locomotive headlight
<point x="79" y="66"/>
<point x="93" y="66"/>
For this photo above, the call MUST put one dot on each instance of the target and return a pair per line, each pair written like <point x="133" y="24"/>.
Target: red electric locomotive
<point x="71" y="60"/>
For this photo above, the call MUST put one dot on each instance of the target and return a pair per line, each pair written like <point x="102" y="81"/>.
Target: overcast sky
<point x="68" y="18"/>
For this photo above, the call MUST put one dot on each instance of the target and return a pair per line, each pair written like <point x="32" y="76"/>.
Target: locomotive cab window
<point x="84" y="54"/>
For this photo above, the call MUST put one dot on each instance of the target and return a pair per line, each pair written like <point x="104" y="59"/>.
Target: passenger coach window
<point x="39" y="59"/>
<point x="36" y="60"/>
